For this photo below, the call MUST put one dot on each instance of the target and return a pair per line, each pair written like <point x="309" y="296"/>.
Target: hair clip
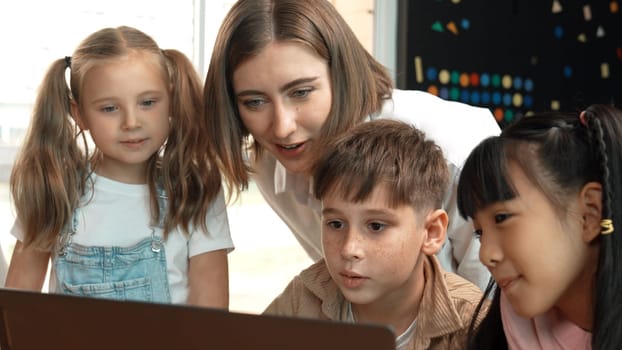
<point x="606" y="226"/>
<point x="67" y="61"/>
<point x="582" y="118"/>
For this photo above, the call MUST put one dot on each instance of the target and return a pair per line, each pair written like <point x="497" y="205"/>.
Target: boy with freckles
<point x="381" y="186"/>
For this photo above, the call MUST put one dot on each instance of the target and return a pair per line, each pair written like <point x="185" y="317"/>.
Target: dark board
<point x="513" y="56"/>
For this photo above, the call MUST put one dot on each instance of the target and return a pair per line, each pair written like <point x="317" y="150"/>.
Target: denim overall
<point x="137" y="272"/>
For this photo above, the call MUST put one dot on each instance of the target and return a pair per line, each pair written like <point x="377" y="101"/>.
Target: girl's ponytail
<point x="604" y="124"/>
<point x="45" y="174"/>
<point x="188" y="168"/>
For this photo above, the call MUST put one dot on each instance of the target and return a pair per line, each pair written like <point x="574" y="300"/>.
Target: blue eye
<point x="148" y="103"/>
<point x="302" y="92"/>
<point x="108" y="109"/>
<point x="253" y="104"/>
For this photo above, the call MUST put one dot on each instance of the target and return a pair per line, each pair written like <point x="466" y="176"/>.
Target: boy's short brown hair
<point x="383" y="152"/>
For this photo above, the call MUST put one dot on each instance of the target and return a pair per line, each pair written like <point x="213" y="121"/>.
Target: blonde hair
<point x="50" y="174"/>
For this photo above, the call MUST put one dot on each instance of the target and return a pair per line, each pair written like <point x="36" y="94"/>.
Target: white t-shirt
<point x="118" y="214"/>
<point x="455" y="127"/>
<point x="403" y="341"/>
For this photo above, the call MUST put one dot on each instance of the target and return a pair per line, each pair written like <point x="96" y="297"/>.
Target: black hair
<point x="559" y="153"/>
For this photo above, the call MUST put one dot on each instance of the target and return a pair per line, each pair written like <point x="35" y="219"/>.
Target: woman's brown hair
<point x="359" y="83"/>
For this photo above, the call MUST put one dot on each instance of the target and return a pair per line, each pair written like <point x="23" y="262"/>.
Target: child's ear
<point x="436" y="230"/>
<point x="591" y="209"/>
<point x="77" y="116"/>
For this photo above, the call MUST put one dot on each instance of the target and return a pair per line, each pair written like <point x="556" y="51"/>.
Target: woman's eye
<point x="376" y="226"/>
<point x="302" y="92"/>
<point x="478" y="233"/>
<point x="499" y="218"/>
<point x="148" y="103"/>
<point x="253" y="104"/>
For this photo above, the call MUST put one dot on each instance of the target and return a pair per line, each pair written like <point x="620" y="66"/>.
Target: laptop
<point x="30" y="320"/>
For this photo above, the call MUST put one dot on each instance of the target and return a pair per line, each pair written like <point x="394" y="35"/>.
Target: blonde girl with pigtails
<point x="139" y="213"/>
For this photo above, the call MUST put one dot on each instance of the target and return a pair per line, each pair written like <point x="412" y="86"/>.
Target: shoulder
<point x="464" y="295"/>
<point x="455" y="127"/>
<point x="218" y="234"/>
<point x="454" y="291"/>
<point x="424" y="102"/>
<point x="461" y="289"/>
<point x="304" y="295"/>
<point x="318" y="281"/>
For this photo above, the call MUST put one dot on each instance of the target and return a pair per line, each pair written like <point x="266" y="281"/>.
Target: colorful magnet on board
<point x="485" y="97"/>
<point x="455" y="77"/>
<point x="485" y="79"/>
<point x="567" y="71"/>
<point x="600" y="32"/>
<point x="464" y="80"/>
<point x="604" y="70"/>
<point x="418" y="70"/>
<point x="451" y="26"/>
<point x="506" y="81"/>
<point x="454" y="93"/>
<point x="507" y="99"/>
<point x="431" y="74"/>
<point x="474" y="79"/>
<point x="444" y="76"/>
<point x="475" y="97"/>
<point x="498" y="113"/>
<point x="465" y="24"/>
<point x="496" y="98"/>
<point x="508" y="115"/>
<point x="554" y="105"/>
<point x="587" y="13"/>
<point x="582" y="38"/>
<point x="465" y="96"/>
<point x="496" y="80"/>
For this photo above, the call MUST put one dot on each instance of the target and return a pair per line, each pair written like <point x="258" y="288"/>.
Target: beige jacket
<point x="445" y="312"/>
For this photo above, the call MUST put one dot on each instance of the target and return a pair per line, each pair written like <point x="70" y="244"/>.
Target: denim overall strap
<point x="137" y="272"/>
<point x="162" y="208"/>
<point x="66" y="235"/>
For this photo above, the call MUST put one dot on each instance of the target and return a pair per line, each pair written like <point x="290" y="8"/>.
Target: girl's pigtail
<point x="604" y="125"/>
<point x="44" y="171"/>
<point x="189" y="174"/>
<point x="602" y="149"/>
